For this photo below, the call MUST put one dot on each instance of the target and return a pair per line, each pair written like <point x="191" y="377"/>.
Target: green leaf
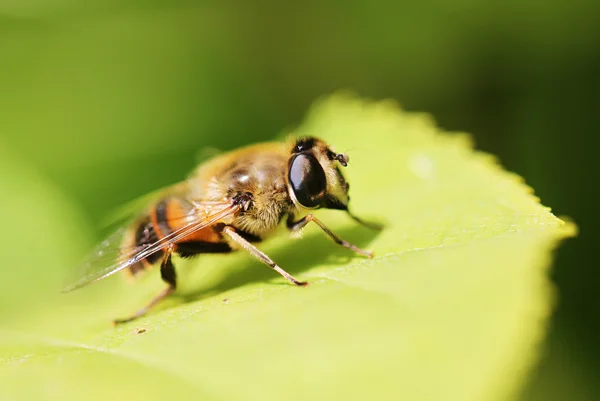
<point x="451" y="308"/>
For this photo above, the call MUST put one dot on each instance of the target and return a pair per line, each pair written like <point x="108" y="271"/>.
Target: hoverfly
<point x="230" y="202"/>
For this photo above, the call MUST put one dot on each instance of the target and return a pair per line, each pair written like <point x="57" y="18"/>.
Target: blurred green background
<point x="110" y="99"/>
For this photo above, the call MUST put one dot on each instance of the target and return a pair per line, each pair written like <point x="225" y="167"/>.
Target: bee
<point x="231" y="202"/>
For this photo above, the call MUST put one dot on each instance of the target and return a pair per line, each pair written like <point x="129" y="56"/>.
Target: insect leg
<point x="298" y="225"/>
<point x="167" y="273"/>
<point x="257" y="253"/>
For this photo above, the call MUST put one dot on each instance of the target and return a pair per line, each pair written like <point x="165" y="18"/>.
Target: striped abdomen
<point x="167" y="216"/>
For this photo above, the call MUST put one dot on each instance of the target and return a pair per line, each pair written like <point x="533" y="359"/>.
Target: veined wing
<point x="133" y="207"/>
<point x="110" y="257"/>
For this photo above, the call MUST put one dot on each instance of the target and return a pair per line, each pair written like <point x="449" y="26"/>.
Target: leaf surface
<point x="451" y="308"/>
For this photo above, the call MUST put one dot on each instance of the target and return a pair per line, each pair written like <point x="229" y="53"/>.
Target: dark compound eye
<point x="307" y="179"/>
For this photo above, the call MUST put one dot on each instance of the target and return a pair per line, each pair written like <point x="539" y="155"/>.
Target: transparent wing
<point x="132" y="208"/>
<point x="207" y="153"/>
<point x="110" y="257"/>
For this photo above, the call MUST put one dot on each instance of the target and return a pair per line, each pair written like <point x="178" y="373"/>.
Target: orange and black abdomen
<point x="166" y="217"/>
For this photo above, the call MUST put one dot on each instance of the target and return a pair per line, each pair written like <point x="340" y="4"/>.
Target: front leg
<point x="299" y="225"/>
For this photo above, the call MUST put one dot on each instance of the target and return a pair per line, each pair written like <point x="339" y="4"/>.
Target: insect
<point x="233" y="201"/>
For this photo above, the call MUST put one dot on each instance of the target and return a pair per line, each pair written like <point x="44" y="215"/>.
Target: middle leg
<point x="257" y="253"/>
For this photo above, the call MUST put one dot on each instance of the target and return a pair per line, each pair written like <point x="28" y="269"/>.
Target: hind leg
<point x="167" y="272"/>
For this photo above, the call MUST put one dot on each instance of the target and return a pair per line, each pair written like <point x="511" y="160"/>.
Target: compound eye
<point x="307" y="180"/>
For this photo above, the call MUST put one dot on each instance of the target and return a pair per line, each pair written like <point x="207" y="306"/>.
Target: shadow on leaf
<point x="297" y="256"/>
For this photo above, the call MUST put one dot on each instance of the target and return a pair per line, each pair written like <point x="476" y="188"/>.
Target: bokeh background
<point x="108" y="99"/>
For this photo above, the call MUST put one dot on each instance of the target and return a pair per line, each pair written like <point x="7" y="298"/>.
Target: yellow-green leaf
<point x="451" y="308"/>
